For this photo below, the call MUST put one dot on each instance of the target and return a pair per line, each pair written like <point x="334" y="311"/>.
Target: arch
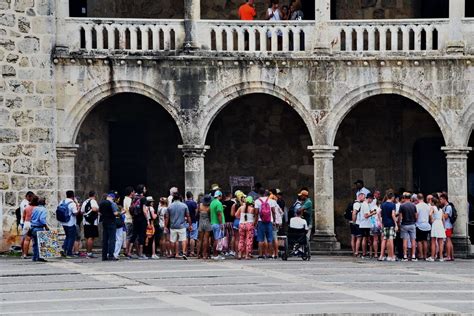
<point x="466" y="123"/>
<point x="75" y="117"/>
<point x="354" y="97"/>
<point x="219" y="101"/>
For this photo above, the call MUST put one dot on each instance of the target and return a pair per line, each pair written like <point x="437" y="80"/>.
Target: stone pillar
<point x="66" y="154"/>
<point x="192" y="14"/>
<point x="457" y="192"/>
<point x="194" y="167"/>
<point x="323" y="16"/>
<point x="324" y="237"/>
<point x="455" y="43"/>
<point x="62" y="12"/>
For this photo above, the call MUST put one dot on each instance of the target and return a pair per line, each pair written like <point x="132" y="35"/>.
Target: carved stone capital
<point x="193" y="151"/>
<point x="323" y="151"/>
<point x="456" y="153"/>
<point x="66" y="150"/>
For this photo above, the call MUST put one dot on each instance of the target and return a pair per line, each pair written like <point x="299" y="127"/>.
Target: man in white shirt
<point x="70" y="226"/>
<point x="360" y="188"/>
<point x="127" y="203"/>
<point x="297" y="222"/>
<point x="90" y="209"/>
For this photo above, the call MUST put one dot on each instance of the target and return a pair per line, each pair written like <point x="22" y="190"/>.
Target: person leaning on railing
<point x="247" y="11"/>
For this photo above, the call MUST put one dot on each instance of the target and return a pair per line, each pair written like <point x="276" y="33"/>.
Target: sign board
<point x="241" y="181"/>
<point x="48" y="244"/>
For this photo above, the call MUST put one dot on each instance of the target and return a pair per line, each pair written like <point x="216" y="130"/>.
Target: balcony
<point x="234" y="38"/>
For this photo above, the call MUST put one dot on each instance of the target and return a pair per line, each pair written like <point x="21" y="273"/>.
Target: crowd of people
<point x="213" y="226"/>
<point x="398" y="227"/>
<point x="292" y="11"/>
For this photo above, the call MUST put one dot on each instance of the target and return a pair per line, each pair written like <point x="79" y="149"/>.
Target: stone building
<point x="104" y="94"/>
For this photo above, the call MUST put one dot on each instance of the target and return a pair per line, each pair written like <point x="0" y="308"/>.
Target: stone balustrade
<point x="388" y="35"/>
<point x="147" y="36"/>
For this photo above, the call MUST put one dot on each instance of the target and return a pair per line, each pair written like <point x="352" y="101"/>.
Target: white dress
<point x="437" y="227"/>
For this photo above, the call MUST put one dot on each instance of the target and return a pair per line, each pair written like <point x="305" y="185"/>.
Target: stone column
<point x="62" y="12"/>
<point x="324" y="237"/>
<point x="194" y="167"/>
<point x="66" y="154"/>
<point x="192" y="14"/>
<point x="456" y="44"/>
<point x="457" y="192"/>
<point x="323" y="16"/>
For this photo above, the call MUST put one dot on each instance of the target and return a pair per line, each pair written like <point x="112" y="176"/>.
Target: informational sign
<point x="241" y="181"/>
<point x="48" y="244"/>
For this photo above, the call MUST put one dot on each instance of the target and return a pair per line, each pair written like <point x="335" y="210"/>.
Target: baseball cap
<point x="303" y="193"/>
<point x="217" y="193"/>
<point x="249" y="200"/>
<point x="111" y="194"/>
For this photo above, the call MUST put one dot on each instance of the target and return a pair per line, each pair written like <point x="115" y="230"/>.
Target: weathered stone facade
<point x="62" y="91"/>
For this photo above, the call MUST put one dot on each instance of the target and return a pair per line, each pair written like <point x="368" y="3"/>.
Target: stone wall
<point x="27" y="102"/>
<point x="261" y="136"/>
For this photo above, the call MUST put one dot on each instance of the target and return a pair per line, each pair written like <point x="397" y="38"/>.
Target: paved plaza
<point x="324" y="285"/>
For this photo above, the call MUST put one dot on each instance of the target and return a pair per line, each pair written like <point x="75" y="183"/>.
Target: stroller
<point x="294" y="244"/>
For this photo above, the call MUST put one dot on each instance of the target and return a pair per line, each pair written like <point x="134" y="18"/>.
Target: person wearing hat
<point x="217" y="222"/>
<point x="214" y="187"/>
<point x="173" y="191"/>
<point x="239" y="201"/>
<point x="108" y="212"/>
<point x="307" y="209"/>
<point x="247" y="221"/>
<point x="361" y="188"/>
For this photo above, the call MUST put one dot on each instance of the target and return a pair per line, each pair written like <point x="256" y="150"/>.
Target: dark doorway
<point x="261" y="136"/>
<point x="429" y="166"/>
<point x="78" y="8"/>
<point x="125" y="140"/>
<point x="469" y="9"/>
<point x="308" y="9"/>
<point x="434" y="9"/>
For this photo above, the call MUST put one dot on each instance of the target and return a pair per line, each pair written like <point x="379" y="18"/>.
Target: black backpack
<point x="136" y="207"/>
<point x="348" y="211"/>
<point x="89" y="215"/>
<point x="454" y="213"/>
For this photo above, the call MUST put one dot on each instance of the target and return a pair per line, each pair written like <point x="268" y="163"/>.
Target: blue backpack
<point x="62" y="212"/>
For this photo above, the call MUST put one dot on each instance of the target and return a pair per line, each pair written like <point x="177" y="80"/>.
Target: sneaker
<point x="91" y="255"/>
<point x="405" y="259"/>
<point x="42" y="260"/>
<point x="414" y="259"/>
<point x="232" y="253"/>
<point x="155" y="257"/>
<point x="382" y="259"/>
<point x="441" y="260"/>
<point x="142" y="257"/>
<point x="221" y="257"/>
<point x="24" y="257"/>
<point x="260" y="258"/>
<point x="184" y="257"/>
<point x="391" y="259"/>
<point x="430" y="259"/>
<point x="216" y="258"/>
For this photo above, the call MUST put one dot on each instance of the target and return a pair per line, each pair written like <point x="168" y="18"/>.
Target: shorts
<point x="264" y="231"/>
<point x="421" y="235"/>
<point x="355" y="230"/>
<point x="129" y="230"/>
<point x="375" y="231"/>
<point x="192" y="234"/>
<point x="91" y="231"/>
<point x="236" y="224"/>
<point x="217" y="232"/>
<point x="408" y="232"/>
<point x="449" y="233"/>
<point x="364" y="232"/>
<point x="78" y="233"/>
<point x="388" y="233"/>
<point x="158" y="234"/>
<point x="139" y="232"/>
<point x="177" y="234"/>
<point x="25" y="229"/>
<point x="204" y="224"/>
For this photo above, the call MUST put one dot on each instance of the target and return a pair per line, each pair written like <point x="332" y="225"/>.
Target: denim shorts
<point x="236" y="223"/>
<point x="194" y="233"/>
<point x="408" y="231"/>
<point x="264" y="231"/>
<point x="217" y="232"/>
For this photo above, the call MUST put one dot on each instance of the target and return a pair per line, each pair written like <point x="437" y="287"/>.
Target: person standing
<point x="127" y="203"/>
<point x="177" y="214"/>
<point x="296" y="12"/>
<point x="265" y="208"/>
<point x="307" y="210"/>
<point x="192" y="234"/>
<point x="360" y="188"/>
<point x="26" y="219"/>
<point x="38" y="223"/>
<point x="23" y="204"/>
<point x="448" y="214"/>
<point x="216" y="211"/>
<point x="389" y="227"/>
<point x="363" y="220"/>
<point x="407" y="217"/>
<point x="423" y="226"/>
<point x="162" y="212"/>
<point x="108" y="211"/>
<point x="229" y="222"/>
<point x="90" y="209"/>
<point x="247" y="11"/>
<point x="139" y="213"/>
<point x="70" y="226"/>
<point x="438" y="231"/>
<point x="247" y="222"/>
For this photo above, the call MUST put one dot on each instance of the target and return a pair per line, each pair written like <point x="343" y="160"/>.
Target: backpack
<point x="18" y="216"/>
<point x="454" y="213"/>
<point x="62" y="212"/>
<point x="89" y="215"/>
<point x="265" y="211"/>
<point x="348" y="211"/>
<point x="292" y="210"/>
<point x="135" y="208"/>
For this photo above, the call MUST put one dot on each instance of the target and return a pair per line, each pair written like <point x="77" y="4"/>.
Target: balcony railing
<point x="144" y="36"/>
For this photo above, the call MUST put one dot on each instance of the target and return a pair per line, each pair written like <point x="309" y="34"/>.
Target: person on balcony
<point x="295" y="10"/>
<point x="247" y="11"/>
<point x="274" y="14"/>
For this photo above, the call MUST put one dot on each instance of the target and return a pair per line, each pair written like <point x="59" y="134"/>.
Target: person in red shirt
<point x="247" y="11"/>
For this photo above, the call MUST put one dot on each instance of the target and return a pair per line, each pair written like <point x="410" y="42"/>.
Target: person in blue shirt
<point x="38" y="223"/>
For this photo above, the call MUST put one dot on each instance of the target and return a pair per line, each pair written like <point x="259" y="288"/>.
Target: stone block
<point x="4" y="117"/>
<point x="10" y="150"/>
<point x="44" y="87"/>
<point x="22" y="5"/>
<point x="24" y="135"/>
<point x="22" y="166"/>
<point x="13" y="103"/>
<point x="28" y="150"/>
<point x="7" y="44"/>
<point x="32" y="101"/>
<point x="9" y="135"/>
<point x="17" y="86"/>
<point x="8" y="71"/>
<point x="11" y="198"/>
<point x="2" y="54"/>
<point x="24" y="62"/>
<point x="4" y="4"/>
<point x="7" y="19"/>
<point x="24" y="25"/>
<point x="5" y="165"/>
<point x="36" y="183"/>
<point x="49" y="102"/>
<point x="41" y="135"/>
<point x="4" y="182"/>
<point x="42" y="25"/>
<point x="43" y="167"/>
<point x="45" y="118"/>
<point x="43" y="7"/>
<point x="30" y="12"/>
<point x="23" y="118"/>
<point x="19" y="183"/>
<point x="29" y="45"/>
<point x="28" y="74"/>
<point x="12" y="58"/>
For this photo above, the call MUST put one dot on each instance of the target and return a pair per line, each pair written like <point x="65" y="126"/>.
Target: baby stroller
<point x="294" y="244"/>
